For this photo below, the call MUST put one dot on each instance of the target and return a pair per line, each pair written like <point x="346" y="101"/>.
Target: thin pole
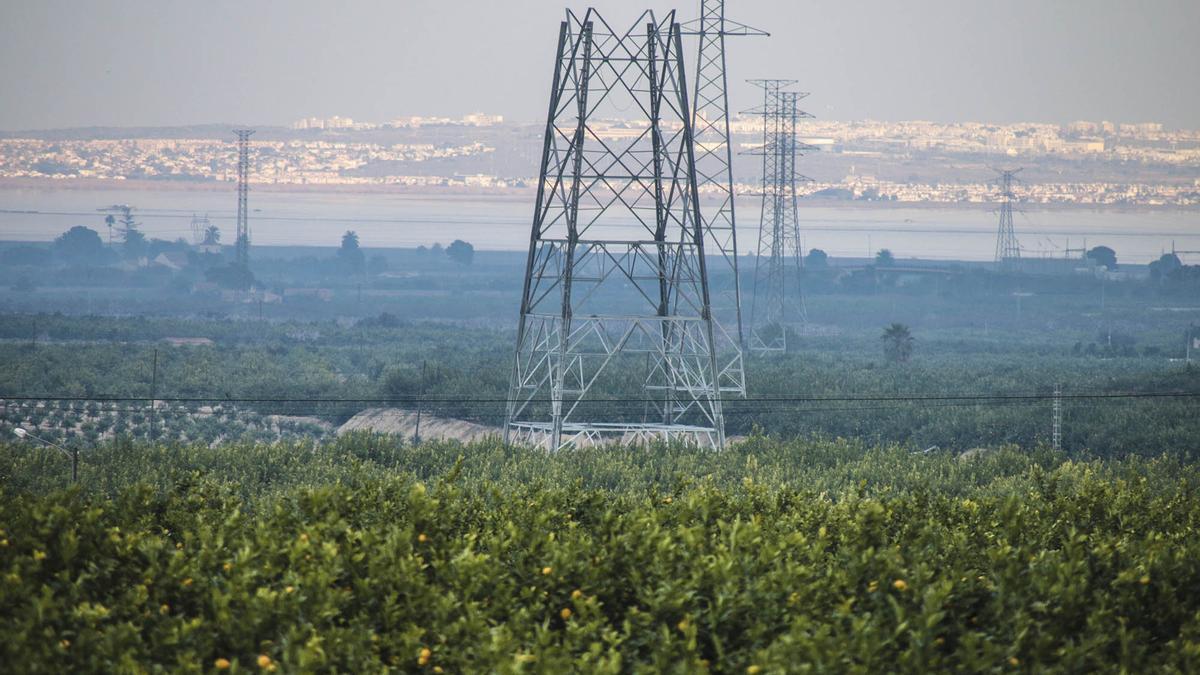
<point x="420" y="400"/>
<point x="154" y="397"/>
<point x="1056" y="439"/>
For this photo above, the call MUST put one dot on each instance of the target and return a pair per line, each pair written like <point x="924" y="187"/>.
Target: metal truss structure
<point x="1008" y="251"/>
<point x="777" y="302"/>
<point x="615" y="306"/>
<point x="243" y="193"/>
<point x="199" y="228"/>
<point x="714" y="180"/>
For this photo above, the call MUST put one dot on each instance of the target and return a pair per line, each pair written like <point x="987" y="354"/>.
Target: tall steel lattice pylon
<point x="1008" y="251"/>
<point x="714" y="180"/>
<point x="777" y="299"/>
<point x="243" y="193"/>
<point x="615" y="306"/>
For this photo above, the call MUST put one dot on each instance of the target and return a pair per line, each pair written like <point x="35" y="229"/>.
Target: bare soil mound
<point x="404" y="423"/>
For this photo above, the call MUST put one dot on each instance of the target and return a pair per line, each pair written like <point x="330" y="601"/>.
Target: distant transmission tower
<point x="714" y="176"/>
<point x="616" y="288"/>
<point x="199" y="227"/>
<point x="243" y="191"/>
<point x="778" y="299"/>
<point x="1008" y="251"/>
<point x="1056" y="438"/>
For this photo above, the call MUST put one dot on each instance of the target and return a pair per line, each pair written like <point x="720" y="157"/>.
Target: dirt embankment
<point x="404" y="423"/>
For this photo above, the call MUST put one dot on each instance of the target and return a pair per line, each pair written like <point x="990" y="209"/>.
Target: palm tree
<point x="110" y="221"/>
<point x="897" y="342"/>
<point x="350" y="256"/>
<point x="212" y="235"/>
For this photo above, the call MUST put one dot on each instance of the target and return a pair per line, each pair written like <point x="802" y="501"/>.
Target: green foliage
<point x="80" y="245"/>
<point x="370" y="554"/>
<point x="212" y="235"/>
<point x="897" y="343"/>
<point x="461" y="252"/>
<point x="1103" y="255"/>
<point x="134" y="243"/>
<point x="21" y="256"/>
<point x="350" y="257"/>
<point x="816" y="259"/>
<point x="468" y="370"/>
<point x="231" y="276"/>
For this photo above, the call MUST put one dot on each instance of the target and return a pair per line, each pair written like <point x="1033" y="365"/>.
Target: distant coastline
<point x="470" y="193"/>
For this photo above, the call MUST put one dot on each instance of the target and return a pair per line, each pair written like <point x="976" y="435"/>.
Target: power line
<point x="902" y="398"/>
<point x="427" y="404"/>
<point x="815" y="224"/>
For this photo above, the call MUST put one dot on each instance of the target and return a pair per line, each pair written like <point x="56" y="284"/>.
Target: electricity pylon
<point x="777" y="301"/>
<point x="1008" y="251"/>
<point x="714" y="180"/>
<point x="200" y="226"/>
<point x="615" y="281"/>
<point x="243" y="192"/>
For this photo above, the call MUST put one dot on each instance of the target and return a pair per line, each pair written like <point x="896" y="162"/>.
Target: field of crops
<point x="367" y="554"/>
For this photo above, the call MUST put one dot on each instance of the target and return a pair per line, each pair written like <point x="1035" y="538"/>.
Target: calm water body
<point x="390" y="220"/>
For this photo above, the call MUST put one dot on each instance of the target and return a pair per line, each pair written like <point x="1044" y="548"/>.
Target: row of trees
<point x="468" y="372"/>
<point x="352" y="260"/>
<point x="1101" y="255"/>
<point x="83" y="246"/>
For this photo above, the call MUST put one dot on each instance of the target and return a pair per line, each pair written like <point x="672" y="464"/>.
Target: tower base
<point x="541" y="435"/>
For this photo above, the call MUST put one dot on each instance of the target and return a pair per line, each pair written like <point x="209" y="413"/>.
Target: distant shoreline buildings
<point x="1142" y="164"/>
<point x="345" y="123"/>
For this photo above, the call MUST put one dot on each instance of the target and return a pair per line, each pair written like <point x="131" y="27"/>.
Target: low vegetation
<point x="876" y="515"/>
<point x="369" y="554"/>
<point x="295" y="373"/>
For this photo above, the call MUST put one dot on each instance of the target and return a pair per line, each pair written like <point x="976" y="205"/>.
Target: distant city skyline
<point x="151" y="63"/>
<point x="1129" y="164"/>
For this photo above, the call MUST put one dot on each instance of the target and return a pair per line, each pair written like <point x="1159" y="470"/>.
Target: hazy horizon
<point x="287" y="125"/>
<point x="140" y="63"/>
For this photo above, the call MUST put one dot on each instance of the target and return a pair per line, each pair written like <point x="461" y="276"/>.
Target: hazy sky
<point x="167" y="62"/>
